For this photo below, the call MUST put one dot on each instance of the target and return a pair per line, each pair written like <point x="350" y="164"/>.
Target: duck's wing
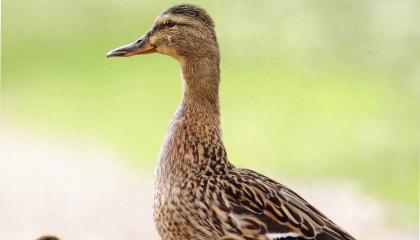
<point x="259" y="205"/>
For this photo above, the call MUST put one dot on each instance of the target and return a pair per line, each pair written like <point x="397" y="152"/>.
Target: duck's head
<point x="183" y="31"/>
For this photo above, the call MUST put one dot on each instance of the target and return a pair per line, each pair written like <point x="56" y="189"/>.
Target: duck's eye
<point x="169" y="23"/>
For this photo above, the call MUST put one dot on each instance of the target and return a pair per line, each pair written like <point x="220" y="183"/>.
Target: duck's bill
<point x="141" y="46"/>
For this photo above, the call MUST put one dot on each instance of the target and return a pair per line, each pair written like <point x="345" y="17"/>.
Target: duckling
<point x="199" y="194"/>
<point x="48" y="237"/>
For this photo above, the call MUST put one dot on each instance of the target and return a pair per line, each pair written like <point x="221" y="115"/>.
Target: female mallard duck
<point x="199" y="194"/>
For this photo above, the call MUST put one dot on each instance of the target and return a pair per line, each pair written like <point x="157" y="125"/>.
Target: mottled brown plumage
<point x="198" y="193"/>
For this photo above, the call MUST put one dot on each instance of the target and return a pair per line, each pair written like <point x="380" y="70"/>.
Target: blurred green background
<point x="311" y="90"/>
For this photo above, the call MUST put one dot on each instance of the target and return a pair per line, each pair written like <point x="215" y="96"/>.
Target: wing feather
<point x="281" y="213"/>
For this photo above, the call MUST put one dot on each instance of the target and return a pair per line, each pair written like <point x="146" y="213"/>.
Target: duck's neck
<point x="193" y="144"/>
<point x="200" y="81"/>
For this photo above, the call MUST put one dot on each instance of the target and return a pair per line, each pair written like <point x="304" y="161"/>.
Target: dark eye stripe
<point x="163" y="25"/>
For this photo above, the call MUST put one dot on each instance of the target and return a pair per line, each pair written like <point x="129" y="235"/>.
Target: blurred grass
<point x="313" y="90"/>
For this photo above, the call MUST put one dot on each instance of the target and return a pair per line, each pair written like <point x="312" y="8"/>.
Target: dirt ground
<point x="78" y="191"/>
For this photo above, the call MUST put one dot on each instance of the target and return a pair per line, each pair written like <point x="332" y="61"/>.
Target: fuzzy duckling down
<point x="199" y="194"/>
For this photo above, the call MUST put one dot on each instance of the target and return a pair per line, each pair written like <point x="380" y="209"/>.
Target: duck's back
<point x="263" y="206"/>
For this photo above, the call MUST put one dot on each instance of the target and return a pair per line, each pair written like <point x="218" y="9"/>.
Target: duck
<point x="48" y="237"/>
<point x="199" y="194"/>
